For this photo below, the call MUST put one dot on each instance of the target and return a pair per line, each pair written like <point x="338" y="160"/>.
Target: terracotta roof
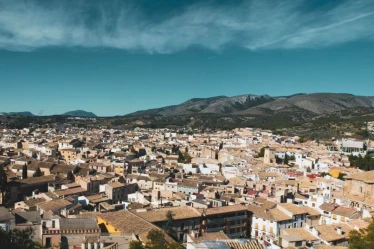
<point x="329" y="232"/>
<point x="128" y="223"/>
<point x="70" y="191"/>
<point x="302" y="232"/>
<point x="210" y="236"/>
<point x="62" y="168"/>
<point x="53" y="205"/>
<point x="343" y="211"/>
<point x="328" y="207"/>
<point x="116" y="185"/>
<point x="79" y="223"/>
<point x="179" y="213"/>
<point x="40" y="179"/>
<point x="367" y="176"/>
<point x="249" y="244"/>
<point x="269" y="214"/>
<point x="293" y="209"/>
<point x="5" y="215"/>
<point x="224" y="209"/>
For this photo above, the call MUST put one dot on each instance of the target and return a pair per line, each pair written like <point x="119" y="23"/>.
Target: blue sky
<point x="116" y="57"/>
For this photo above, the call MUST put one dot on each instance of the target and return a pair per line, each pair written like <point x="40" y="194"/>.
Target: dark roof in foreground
<point x="79" y="223"/>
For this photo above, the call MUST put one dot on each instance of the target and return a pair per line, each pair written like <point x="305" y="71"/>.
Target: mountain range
<point x="77" y="113"/>
<point x="308" y="104"/>
<point x="299" y="106"/>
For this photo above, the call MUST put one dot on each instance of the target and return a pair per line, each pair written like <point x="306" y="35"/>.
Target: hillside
<point x="26" y="113"/>
<point x="305" y="104"/>
<point x="214" y="105"/>
<point x="80" y="113"/>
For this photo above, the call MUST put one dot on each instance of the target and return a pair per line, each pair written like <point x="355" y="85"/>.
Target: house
<point x="232" y="220"/>
<point x="70" y="155"/>
<point x="63" y="169"/>
<point x="185" y="219"/>
<point x="118" y="191"/>
<point x="54" y="206"/>
<point x="124" y="222"/>
<point x="297" y="238"/>
<point x="70" y="233"/>
<point x="101" y="167"/>
<point x="189" y="187"/>
<point x="334" y="235"/>
<point x="143" y="181"/>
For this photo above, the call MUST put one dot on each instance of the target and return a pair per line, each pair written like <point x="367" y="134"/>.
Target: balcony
<point x="232" y="235"/>
<point x="216" y="229"/>
<point x="237" y="225"/>
<point x="240" y="217"/>
<point x="216" y="221"/>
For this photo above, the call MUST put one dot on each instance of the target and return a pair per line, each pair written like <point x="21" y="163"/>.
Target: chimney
<point x="339" y="230"/>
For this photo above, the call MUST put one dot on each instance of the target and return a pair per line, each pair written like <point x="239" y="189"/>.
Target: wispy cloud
<point x="255" y="25"/>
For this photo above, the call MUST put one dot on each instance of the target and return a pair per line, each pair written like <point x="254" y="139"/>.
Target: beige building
<point x="361" y="184"/>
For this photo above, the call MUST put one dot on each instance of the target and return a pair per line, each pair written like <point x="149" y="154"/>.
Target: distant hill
<point x="26" y="114"/>
<point x="215" y="105"/>
<point x="305" y="104"/>
<point x="80" y="113"/>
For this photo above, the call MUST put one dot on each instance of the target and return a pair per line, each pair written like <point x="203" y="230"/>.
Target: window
<point x="53" y="224"/>
<point x="298" y="243"/>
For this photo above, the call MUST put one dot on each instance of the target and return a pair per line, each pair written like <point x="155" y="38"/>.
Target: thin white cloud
<point x="259" y="24"/>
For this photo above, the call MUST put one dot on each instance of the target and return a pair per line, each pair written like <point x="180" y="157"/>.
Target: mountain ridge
<point x="250" y="104"/>
<point x="76" y="113"/>
<point x="80" y="113"/>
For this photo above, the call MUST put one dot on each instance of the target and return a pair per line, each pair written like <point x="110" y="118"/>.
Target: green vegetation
<point x="363" y="238"/>
<point x="286" y="159"/>
<point x="18" y="239"/>
<point x="24" y="171"/>
<point x="3" y="184"/>
<point x="184" y="158"/>
<point x="155" y="240"/>
<point x="169" y="224"/>
<point x="262" y="152"/>
<point x="364" y="163"/>
<point x="37" y="173"/>
<point x="303" y="139"/>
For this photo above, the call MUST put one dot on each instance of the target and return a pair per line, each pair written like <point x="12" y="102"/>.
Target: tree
<point x="3" y="183"/>
<point x="168" y="227"/>
<point x="286" y="158"/>
<point x="181" y="158"/>
<point x="70" y="176"/>
<point x="363" y="238"/>
<point x="24" y="171"/>
<point x="173" y="245"/>
<point x="262" y="152"/>
<point x="37" y="173"/>
<point x="155" y="240"/>
<point x="341" y="176"/>
<point x="18" y="238"/>
<point x="136" y="244"/>
<point x="221" y="146"/>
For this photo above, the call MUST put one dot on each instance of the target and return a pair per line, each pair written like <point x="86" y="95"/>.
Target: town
<point x="244" y="188"/>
